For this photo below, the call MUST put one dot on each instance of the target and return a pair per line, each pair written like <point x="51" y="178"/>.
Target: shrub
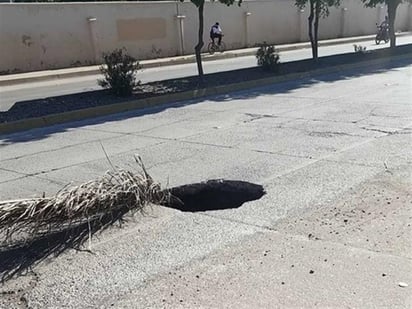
<point x="119" y="71"/>
<point x="268" y="57"/>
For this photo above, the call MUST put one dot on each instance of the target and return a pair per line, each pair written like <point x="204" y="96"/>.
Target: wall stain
<point x="26" y="40"/>
<point x="156" y="51"/>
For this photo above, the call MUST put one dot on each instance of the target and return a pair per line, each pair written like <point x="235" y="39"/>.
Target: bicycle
<point x="213" y="47"/>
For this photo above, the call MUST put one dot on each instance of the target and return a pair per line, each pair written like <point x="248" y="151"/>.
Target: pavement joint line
<point x="23" y="175"/>
<point x="374" y="165"/>
<point x="93" y="160"/>
<point x="100" y="111"/>
<point x="281" y="154"/>
<point x="62" y="167"/>
<point x="381" y="131"/>
<point x="315" y="161"/>
<point x="61" y="148"/>
<point x="55" y="181"/>
<point x="320" y="120"/>
<point x="161" y="126"/>
<point x="14" y="179"/>
<point x="239" y="148"/>
<point x="298" y="237"/>
<point x="210" y="144"/>
<point x="17" y="172"/>
<point x="189" y="142"/>
<point x="279" y="126"/>
<point x="183" y="140"/>
<point x="312" y="160"/>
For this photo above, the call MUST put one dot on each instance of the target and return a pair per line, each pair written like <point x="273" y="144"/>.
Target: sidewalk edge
<point x="83" y="71"/>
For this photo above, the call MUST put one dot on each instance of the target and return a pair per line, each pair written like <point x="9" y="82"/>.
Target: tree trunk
<point x="198" y="47"/>
<point x="392" y="6"/>
<point x="316" y="29"/>
<point x="310" y="24"/>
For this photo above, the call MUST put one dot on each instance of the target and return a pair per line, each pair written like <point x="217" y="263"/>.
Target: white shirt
<point x="216" y="29"/>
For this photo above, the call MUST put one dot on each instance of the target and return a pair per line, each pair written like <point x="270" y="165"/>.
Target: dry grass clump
<point x="115" y="191"/>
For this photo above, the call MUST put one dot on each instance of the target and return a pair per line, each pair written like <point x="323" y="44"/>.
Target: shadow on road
<point x="20" y="258"/>
<point x="386" y="64"/>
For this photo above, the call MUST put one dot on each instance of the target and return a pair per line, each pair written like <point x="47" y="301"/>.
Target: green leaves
<point x="322" y="5"/>
<point x="119" y="72"/>
<point x="374" y="3"/>
<point x="268" y="57"/>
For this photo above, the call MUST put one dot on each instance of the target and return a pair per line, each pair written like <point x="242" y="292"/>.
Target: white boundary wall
<point x="38" y="36"/>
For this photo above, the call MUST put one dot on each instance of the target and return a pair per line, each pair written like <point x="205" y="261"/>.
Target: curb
<point x="76" y="115"/>
<point x="93" y="70"/>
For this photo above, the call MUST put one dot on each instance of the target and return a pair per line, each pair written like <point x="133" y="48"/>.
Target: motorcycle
<point x="382" y="35"/>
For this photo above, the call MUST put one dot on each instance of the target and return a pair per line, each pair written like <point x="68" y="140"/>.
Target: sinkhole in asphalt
<point x="214" y="194"/>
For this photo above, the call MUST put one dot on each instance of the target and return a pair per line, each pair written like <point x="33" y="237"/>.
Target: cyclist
<point x="216" y="32"/>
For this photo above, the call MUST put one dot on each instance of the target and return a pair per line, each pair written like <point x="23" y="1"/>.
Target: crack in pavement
<point x="380" y="130"/>
<point x="258" y="116"/>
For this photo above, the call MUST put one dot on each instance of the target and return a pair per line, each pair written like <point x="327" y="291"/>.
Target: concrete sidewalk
<point x="13" y="79"/>
<point x="333" y="230"/>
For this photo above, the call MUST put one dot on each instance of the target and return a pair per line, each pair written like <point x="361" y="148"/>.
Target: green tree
<point x="317" y="9"/>
<point x="392" y="7"/>
<point x="200" y="4"/>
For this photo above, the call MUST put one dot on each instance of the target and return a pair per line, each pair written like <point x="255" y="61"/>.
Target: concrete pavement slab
<point x="278" y="140"/>
<point x="76" y="154"/>
<point x="147" y="119"/>
<point x="6" y="175"/>
<point x="234" y="257"/>
<point x="352" y="252"/>
<point x="273" y="270"/>
<point x="401" y="110"/>
<point x="75" y="175"/>
<point x="42" y="140"/>
<point x="269" y="99"/>
<point x="321" y="87"/>
<point x="343" y="110"/>
<point x="328" y="128"/>
<point x="165" y="239"/>
<point x="394" y="95"/>
<point x="387" y="151"/>
<point x="387" y="123"/>
<point x="28" y="187"/>
<point x="309" y="186"/>
<point x="193" y="127"/>
<point x="374" y="215"/>
<point x="168" y="163"/>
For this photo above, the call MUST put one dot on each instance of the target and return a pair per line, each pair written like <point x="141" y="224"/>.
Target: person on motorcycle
<point x="385" y="24"/>
<point x="383" y="31"/>
<point x="216" y="32"/>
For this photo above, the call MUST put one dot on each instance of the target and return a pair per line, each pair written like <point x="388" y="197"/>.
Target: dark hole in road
<point x="213" y="195"/>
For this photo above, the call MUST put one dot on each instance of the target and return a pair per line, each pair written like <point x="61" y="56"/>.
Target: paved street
<point x="35" y="90"/>
<point x="333" y="230"/>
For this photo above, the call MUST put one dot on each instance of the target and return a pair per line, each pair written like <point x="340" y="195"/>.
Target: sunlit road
<point x="28" y="91"/>
<point x="333" y="229"/>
